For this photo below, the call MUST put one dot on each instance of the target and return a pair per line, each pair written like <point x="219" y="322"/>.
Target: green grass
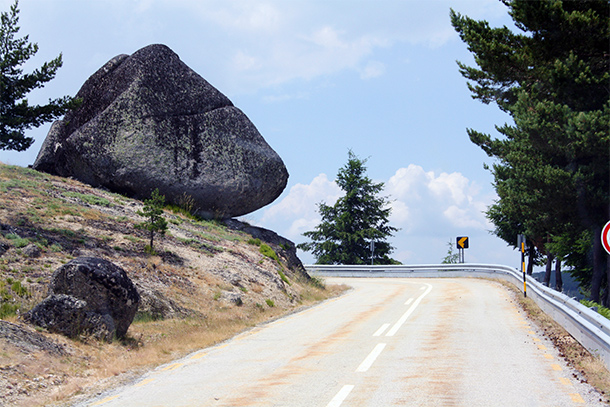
<point x="87" y="198"/>
<point x="17" y="241"/>
<point x="8" y="309"/>
<point x="254" y="242"/>
<point x="267" y="251"/>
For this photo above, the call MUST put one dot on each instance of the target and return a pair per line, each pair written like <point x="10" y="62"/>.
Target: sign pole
<point x="521" y="242"/>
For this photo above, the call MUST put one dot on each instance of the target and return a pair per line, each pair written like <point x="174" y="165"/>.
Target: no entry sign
<point x="606" y="237"/>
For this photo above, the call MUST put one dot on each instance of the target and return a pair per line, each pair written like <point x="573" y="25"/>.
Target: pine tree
<point x="552" y="172"/>
<point x="358" y="218"/>
<point x="153" y="212"/>
<point x="16" y="115"/>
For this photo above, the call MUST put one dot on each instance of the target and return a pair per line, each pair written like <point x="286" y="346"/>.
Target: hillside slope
<point x="206" y="282"/>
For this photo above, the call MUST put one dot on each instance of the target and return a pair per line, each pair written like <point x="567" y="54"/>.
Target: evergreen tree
<point x="153" y="212"/>
<point x="552" y="171"/>
<point x="347" y="228"/>
<point x="16" y="115"/>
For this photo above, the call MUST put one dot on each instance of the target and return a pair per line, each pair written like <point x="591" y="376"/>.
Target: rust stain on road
<point x="259" y="392"/>
<point x="439" y="375"/>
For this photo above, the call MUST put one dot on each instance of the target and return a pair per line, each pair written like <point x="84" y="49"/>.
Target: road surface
<point x="387" y="342"/>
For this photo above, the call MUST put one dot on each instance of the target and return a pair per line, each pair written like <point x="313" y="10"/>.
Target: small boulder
<point x="31" y="250"/>
<point x="90" y="296"/>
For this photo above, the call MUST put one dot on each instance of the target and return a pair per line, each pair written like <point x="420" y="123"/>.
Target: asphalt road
<point x="387" y="342"/>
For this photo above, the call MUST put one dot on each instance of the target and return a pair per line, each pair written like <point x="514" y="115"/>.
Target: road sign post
<point x="606" y="237"/>
<point x="521" y="242"/>
<point x="462" y="243"/>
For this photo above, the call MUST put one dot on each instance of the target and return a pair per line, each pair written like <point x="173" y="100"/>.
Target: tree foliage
<point x="153" y="212"/>
<point x="16" y="115"/>
<point x="551" y="167"/>
<point x="359" y="217"/>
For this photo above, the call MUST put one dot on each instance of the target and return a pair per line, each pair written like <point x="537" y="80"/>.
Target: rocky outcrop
<point x="88" y="296"/>
<point x="282" y="246"/>
<point x="148" y="121"/>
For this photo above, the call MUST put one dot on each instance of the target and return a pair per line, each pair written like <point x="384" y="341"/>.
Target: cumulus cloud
<point x="298" y="210"/>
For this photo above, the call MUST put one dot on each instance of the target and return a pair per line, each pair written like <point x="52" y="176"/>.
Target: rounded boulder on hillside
<point x="149" y="121"/>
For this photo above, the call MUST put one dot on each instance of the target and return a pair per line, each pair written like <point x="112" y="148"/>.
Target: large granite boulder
<point x="149" y="121"/>
<point x="89" y="296"/>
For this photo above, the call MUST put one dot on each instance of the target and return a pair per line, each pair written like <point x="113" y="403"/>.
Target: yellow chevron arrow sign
<point x="462" y="242"/>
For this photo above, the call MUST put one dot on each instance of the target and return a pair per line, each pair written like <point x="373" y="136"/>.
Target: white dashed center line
<point x="381" y="330"/>
<point x="343" y="393"/>
<point x="370" y="359"/>
<point x="406" y="315"/>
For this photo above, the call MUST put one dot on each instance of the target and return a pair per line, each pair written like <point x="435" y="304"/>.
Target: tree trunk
<point x="152" y="235"/>
<point x="547" y="272"/>
<point x="558" y="279"/>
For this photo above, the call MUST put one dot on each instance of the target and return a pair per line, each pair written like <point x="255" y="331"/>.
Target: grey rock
<point x="282" y="246"/>
<point x="154" y="304"/>
<point x="90" y="296"/>
<point x="31" y="251"/>
<point x="67" y="315"/>
<point x="3" y="248"/>
<point x="28" y="340"/>
<point x="149" y="121"/>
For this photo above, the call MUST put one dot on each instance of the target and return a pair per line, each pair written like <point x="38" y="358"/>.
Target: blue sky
<point x="317" y="78"/>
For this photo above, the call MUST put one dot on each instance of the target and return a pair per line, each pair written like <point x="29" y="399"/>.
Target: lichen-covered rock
<point x="149" y="121"/>
<point x="89" y="296"/>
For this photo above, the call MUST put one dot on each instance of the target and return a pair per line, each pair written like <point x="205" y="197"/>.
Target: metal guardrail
<point x="585" y="325"/>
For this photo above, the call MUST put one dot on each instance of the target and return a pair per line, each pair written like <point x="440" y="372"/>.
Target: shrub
<point x="254" y="242"/>
<point x="270" y="303"/>
<point x="7" y="309"/>
<point x="268" y="252"/>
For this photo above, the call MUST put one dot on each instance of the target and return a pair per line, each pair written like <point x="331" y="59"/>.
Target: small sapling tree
<point x="451" y="257"/>
<point x="153" y="212"/>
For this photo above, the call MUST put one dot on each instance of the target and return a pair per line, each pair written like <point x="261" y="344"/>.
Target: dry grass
<point x="201" y="267"/>
<point x="591" y="368"/>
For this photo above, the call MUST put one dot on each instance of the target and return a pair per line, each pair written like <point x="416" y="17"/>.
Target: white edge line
<point x="381" y="330"/>
<point x="370" y="359"/>
<point x="342" y="395"/>
<point x="406" y="315"/>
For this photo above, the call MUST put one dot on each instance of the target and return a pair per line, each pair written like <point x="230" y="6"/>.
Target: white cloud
<point x="454" y="186"/>
<point x="297" y="212"/>
<point x="431" y="201"/>
<point x="373" y="69"/>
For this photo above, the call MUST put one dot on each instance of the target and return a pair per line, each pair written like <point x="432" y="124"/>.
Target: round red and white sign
<point x="606" y="237"/>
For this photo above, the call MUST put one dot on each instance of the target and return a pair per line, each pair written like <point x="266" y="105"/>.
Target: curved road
<point x="387" y="342"/>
